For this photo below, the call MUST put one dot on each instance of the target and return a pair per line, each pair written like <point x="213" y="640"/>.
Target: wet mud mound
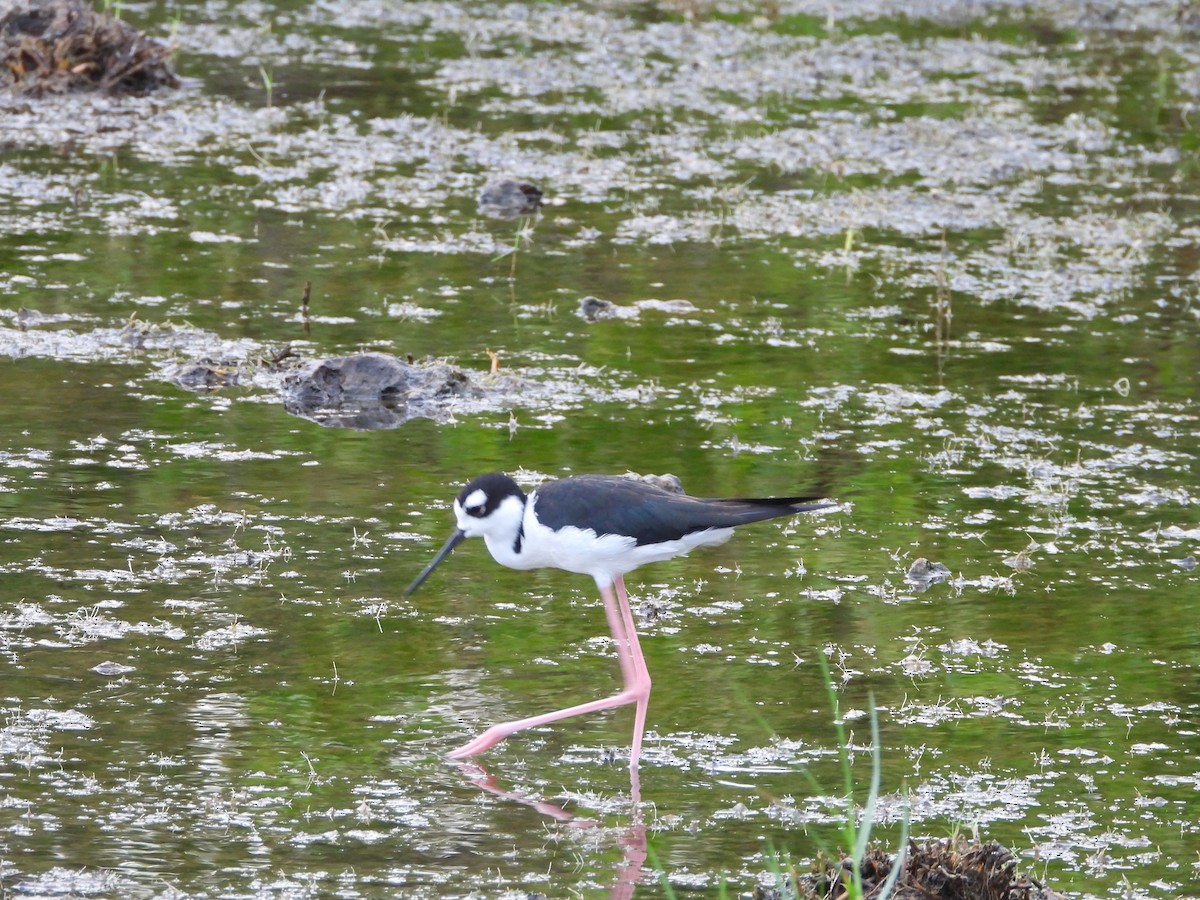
<point x="508" y="199"/>
<point x="58" y="46"/>
<point x="954" y="869"/>
<point x="364" y="391"/>
<point x="376" y="390"/>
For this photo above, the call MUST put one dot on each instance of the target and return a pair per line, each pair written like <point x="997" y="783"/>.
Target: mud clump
<point x="58" y="46"/>
<point x="370" y="390"/>
<point x="923" y="573"/>
<point x="508" y="199"/>
<point x="954" y="869"/>
<point x="672" y="484"/>
<point x="203" y="376"/>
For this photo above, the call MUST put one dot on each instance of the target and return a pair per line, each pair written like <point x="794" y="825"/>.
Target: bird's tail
<point x="741" y="510"/>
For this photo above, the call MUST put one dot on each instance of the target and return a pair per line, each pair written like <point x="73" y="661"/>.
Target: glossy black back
<point x="648" y="514"/>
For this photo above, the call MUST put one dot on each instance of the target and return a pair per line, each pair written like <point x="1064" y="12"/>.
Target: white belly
<point x="580" y="550"/>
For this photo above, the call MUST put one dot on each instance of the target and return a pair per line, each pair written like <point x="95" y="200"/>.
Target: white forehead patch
<point x="476" y="499"/>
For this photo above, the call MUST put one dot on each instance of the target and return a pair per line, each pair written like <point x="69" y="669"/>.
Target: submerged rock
<point x="56" y="46"/>
<point x="508" y="199"/>
<point x="593" y="309"/>
<point x="922" y="573"/>
<point x="371" y="390"/>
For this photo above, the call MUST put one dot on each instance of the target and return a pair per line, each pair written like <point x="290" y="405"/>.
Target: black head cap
<point x="482" y="495"/>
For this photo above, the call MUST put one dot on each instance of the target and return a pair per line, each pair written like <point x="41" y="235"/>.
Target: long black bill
<point x="455" y="539"/>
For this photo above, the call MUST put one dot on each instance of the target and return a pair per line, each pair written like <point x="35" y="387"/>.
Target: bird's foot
<point x="485" y="741"/>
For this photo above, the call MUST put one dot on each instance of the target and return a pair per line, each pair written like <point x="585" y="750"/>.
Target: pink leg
<point x="633" y="671"/>
<point x="640" y="674"/>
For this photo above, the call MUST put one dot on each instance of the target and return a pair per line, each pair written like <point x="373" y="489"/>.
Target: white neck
<point x="500" y="531"/>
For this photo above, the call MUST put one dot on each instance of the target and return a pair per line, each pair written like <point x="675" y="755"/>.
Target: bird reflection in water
<point x="632" y="840"/>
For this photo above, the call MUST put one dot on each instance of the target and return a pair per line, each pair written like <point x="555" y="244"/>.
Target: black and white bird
<point x="603" y="526"/>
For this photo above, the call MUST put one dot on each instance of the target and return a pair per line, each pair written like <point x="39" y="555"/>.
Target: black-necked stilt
<point x="603" y="526"/>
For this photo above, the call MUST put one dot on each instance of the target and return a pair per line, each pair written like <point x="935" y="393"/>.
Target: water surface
<point x="942" y="271"/>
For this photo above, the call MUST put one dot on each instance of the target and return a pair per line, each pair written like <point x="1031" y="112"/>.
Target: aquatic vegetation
<point x="936" y="259"/>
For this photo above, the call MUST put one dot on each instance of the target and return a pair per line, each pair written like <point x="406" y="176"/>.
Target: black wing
<point x="648" y="514"/>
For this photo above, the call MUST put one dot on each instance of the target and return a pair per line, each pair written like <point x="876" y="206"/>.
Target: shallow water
<point x="942" y="271"/>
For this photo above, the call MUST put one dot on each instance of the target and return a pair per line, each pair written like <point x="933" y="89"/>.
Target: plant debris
<point x="58" y="46"/>
<point x="593" y="309"/>
<point x="952" y="869"/>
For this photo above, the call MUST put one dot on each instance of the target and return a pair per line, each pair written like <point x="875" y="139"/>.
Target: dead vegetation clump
<point x="56" y="46"/>
<point x="952" y="869"/>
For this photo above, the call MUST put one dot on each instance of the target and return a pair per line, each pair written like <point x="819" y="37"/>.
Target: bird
<point x="603" y="526"/>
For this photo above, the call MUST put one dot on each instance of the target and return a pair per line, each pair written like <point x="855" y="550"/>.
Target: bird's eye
<point x="474" y="504"/>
